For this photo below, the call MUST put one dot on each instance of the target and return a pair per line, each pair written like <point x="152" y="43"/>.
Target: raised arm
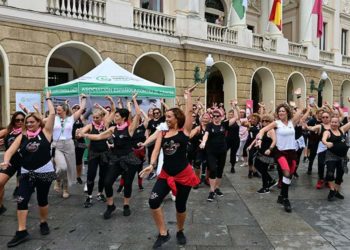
<point x="80" y="111"/>
<point x="50" y="120"/>
<point x="188" y="110"/>
<point x="24" y="108"/>
<point x="145" y="118"/>
<point x="345" y="128"/>
<point x="110" y="116"/>
<point x="235" y="113"/>
<point x="166" y="107"/>
<point x="135" y="121"/>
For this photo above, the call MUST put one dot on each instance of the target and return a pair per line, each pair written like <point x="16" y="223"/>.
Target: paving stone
<point x="315" y="242"/>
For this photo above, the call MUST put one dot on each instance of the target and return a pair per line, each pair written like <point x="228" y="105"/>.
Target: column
<point x="336" y="34"/>
<point x="264" y="18"/>
<point x="189" y="20"/>
<point x="126" y="13"/>
<point x="272" y="28"/>
<point x="244" y="36"/>
<point x="235" y="20"/>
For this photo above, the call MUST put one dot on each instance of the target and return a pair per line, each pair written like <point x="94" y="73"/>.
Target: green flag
<point x="240" y="7"/>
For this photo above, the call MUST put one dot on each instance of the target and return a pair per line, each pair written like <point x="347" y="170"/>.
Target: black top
<point x="216" y="139"/>
<point x="78" y="124"/>
<point x="298" y="131"/>
<point x="98" y="146"/>
<point x="253" y="132"/>
<point x="8" y="140"/>
<point x="339" y="144"/>
<point x="197" y="139"/>
<point x="313" y="137"/>
<point x="265" y="143"/>
<point x="152" y="124"/>
<point x="122" y="142"/>
<point x="139" y="135"/>
<point x="233" y="132"/>
<point x="35" y="152"/>
<point x="174" y="150"/>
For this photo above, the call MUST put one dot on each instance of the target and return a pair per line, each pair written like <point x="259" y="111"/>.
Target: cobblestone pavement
<point x="242" y="219"/>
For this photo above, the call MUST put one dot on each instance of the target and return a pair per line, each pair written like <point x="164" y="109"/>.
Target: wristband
<point x="83" y="97"/>
<point x="49" y="98"/>
<point x="153" y="165"/>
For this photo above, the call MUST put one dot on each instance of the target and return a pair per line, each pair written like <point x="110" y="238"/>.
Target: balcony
<point x="326" y="56"/>
<point x="3" y="2"/>
<point x="155" y="22"/>
<point x="88" y="10"/>
<point x="346" y="60"/>
<point x="218" y="33"/>
<point x="296" y="49"/>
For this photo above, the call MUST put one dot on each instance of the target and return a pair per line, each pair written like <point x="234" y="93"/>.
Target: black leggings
<point x="161" y="189"/>
<point x="313" y="150"/>
<point x="79" y="153"/>
<point x="216" y="163"/>
<point x="335" y="167"/>
<point x="321" y="161"/>
<point x="26" y="188"/>
<point x="93" y="164"/>
<point x="262" y="168"/>
<point x="113" y="171"/>
<point x="233" y="145"/>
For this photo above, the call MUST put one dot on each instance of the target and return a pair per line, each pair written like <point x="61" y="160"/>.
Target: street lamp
<point x="209" y="62"/>
<point x="319" y="89"/>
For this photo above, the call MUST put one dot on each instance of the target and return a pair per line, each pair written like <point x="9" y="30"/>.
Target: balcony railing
<point x="218" y="33"/>
<point x="258" y="41"/>
<point x="89" y="10"/>
<point x="152" y="21"/>
<point x="3" y="2"/>
<point x="326" y="56"/>
<point x="346" y="60"/>
<point x="296" y="49"/>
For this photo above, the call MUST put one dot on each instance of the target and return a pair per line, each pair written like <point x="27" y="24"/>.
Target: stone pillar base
<point x="338" y="58"/>
<point x="313" y="53"/>
<point x="125" y="15"/>
<point x="190" y="26"/>
<point x="244" y="36"/>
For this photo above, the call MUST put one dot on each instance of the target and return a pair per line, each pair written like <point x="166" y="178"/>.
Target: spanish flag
<point x="276" y="13"/>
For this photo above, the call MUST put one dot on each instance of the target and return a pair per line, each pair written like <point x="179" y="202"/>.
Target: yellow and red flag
<point x="276" y="13"/>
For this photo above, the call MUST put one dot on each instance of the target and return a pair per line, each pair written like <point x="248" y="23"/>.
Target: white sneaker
<point x="244" y="164"/>
<point x="173" y="197"/>
<point x="85" y="188"/>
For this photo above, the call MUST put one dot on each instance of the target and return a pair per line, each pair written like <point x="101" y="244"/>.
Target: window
<point x="323" y="38"/>
<point x="344" y="42"/>
<point x="156" y="5"/>
<point x="251" y="27"/>
<point x="213" y="10"/>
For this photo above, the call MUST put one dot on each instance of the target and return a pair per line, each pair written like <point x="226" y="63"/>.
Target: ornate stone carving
<point x="346" y="6"/>
<point x="325" y="2"/>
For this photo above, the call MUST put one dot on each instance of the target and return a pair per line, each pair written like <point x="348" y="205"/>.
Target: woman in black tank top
<point x="176" y="175"/>
<point x="122" y="160"/>
<point x="336" y="156"/>
<point x="37" y="169"/>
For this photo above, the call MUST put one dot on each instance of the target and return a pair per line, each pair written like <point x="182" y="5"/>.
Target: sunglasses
<point x="156" y="113"/>
<point x="265" y="121"/>
<point x="19" y="120"/>
<point x="216" y="116"/>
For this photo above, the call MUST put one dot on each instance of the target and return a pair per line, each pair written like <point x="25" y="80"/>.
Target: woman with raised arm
<point x="37" y="170"/>
<point x="176" y="175"/>
<point x="9" y="134"/>
<point x="63" y="146"/>
<point x="232" y="136"/>
<point x="122" y="160"/>
<point x="336" y="156"/>
<point x="285" y="153"/>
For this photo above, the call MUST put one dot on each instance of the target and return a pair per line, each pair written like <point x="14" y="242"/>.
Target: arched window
<point x="156" y="5"/>
<point x="214" y="9"/>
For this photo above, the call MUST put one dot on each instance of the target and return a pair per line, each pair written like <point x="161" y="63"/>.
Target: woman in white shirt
<point x="63" y="146"/>
<point x="285" y="153"/>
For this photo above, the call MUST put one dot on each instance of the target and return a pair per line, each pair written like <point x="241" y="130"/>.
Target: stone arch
<point x="214" y="9"/>
<point x="263" y="87"/>
<point x="221" y="85"/>
<point x="327" y="93"/>
<point x="70" y="60"/>
<point x="344" y="94"/>
<point x="4" y="88"/>
<point x="295" y="80"/>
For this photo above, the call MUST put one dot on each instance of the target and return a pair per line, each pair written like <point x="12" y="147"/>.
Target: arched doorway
<point x="156" y="68"/>
<point x="326" y="95"/>
<point x="214" y="9"/>
<point x="296" y="80"/>
<point x="70" y="60"/>
<point x="263" y="88"/>
<point x="344" y="94"/>
<point x="221" y="84"/>
<point x="4" y="89"/>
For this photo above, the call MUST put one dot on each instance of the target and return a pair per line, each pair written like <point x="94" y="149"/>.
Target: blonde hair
<point x="37" y="117"/>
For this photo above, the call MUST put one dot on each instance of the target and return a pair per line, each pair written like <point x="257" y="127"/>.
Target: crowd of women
<point x="184" y="148"/>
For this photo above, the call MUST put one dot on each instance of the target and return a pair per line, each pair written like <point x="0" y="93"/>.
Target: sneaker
<point x="173" y="197"/>
<point x="151" y="176"/>
<point x="108" y="213"/>
<point x="272" y="184"/>
<point x="331" y="195"/>
<point x="141" y="188"/>
<point x="126" y="210"/>
<point x="65" y="194"/>
<point x="287" y="206"/>
<point x="243" y="164"/>
<point x="280" y="199"/>
<point x="211" y="196"/>
<point x="256" y="174"/>
<point x="263" y="191"/>
<point x="44" y="228"/>
<point x="161" y="239"/>
<point x="218" y="192"/>
<point x="2" y="209"/>
<point x="120" y="188"/>
<point x="101" y="197"/>
<point x="88" y="202"/>
<point x="15" y="192"/>
<point x="233" y="170"/>
<point x="181" y="238"/>
<point x="79" y="181"/>
<point x="319" y="184"/>
<point x="20" y="237"/>
<point x="339" y="195"/>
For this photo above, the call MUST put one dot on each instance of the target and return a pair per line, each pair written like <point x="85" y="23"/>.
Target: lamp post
<point x="319" y="88"/>
<point x="209" y="62"/>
